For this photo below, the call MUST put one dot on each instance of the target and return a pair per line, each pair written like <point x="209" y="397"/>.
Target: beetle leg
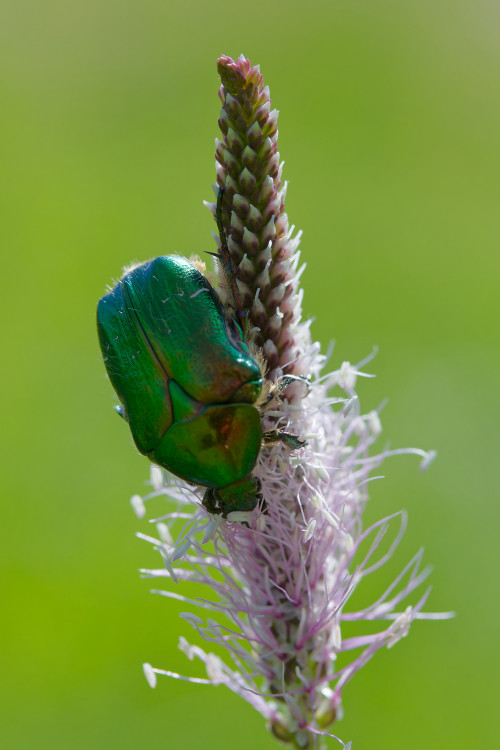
<point x="261" y="502"/>
<point x="280" y="436"/>
<point x="286" y="380"/>
<point x="277" y="390"/>
<point x="210" y="503"/>
<point x="225" y="258"/>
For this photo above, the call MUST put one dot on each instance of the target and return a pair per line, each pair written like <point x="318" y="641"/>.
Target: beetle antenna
<point x="225" y="258"/>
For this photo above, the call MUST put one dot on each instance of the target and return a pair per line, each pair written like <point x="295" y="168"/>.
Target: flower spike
<point x="279" y="578"/>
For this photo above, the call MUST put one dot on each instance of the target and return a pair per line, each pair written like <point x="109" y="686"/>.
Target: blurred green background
<point x="389" y="125"/>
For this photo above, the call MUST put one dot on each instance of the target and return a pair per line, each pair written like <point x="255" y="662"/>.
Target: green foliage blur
<point x="389" y="125"/>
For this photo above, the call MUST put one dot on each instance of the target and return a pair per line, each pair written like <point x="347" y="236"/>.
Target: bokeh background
<point x="389" y="125"/>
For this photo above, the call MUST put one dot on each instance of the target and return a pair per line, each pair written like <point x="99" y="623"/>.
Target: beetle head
<point x="241" y="496"/>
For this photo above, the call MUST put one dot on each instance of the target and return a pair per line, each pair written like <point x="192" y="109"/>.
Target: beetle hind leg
<point x="280" y="436"/>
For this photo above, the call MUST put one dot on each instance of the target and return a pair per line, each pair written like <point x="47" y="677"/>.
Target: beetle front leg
<point x="277" y="390"/>
<point x="280" y="436"/>
<point x="285" y="380"/>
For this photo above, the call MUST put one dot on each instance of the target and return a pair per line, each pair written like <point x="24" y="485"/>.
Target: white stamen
<point x="211" y="528"/>
<point x="149" y="674"/>
<point x="167" y="562"/>
<point x="156" y="478"/>
<point x="309" y="530"/>
<point x="191" y="618"/>
<point x="349" y="405"/>
<point x="138" y="506"/>
<point x="322" y="474"/>
<point x="427" y="460"/>
<point x="181" y="550"/>
<point x="214" y="669"/>
<point x="374" y="423"/>
<point x="400" y="627"/>
<point x="164" y="533"/>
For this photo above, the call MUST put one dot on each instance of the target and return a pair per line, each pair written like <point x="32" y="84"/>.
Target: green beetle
<point x="186" y="380"/>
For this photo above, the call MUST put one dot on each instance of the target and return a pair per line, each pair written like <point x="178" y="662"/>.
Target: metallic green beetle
<point x="185" y="378"/>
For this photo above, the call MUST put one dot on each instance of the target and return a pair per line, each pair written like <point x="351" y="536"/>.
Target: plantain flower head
<point x="279" y="578"/>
